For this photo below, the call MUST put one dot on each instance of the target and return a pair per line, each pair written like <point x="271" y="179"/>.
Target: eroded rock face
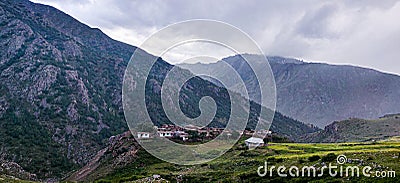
<point x="3" y="106"/>
<point x="15" y="170"/>
<point x="55" y="85"/>
<point x="123" y="149"/>
<point x="42" y="81"/>
<point x="120" y="151"/>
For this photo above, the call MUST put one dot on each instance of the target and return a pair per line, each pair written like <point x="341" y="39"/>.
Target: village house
<point x="248" y="132"/>
<point x="172" y="131"/>
<point x="165" y="134"/>
<point x="254" y="142"/>
<point x="182" y="135"/>
<point x="143" y="135"/>
<point x="264" y="133"/>
<point x="205" y="131"/>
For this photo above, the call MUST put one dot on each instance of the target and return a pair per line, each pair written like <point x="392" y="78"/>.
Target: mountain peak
<point x="271" y="59"/>
<point x="319" y="93"/>
<point x="284" y="60"/>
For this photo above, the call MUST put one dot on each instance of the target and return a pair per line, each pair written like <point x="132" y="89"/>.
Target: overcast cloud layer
<point x="364" y="33"/>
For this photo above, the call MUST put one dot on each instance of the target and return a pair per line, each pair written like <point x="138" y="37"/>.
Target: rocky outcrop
<point x="121" y="150"/>
<point x="15" y="170"/>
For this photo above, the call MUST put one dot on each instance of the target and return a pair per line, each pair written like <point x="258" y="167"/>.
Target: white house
<point x="254" y="142"/>
<point x="165" y="133"/>
<point x="184" y="137"/>
<point x="181" y="134"/>
<point x="143" y="135"/>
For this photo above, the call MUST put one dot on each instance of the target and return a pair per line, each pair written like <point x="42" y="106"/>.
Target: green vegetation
<point x="240" y="164"/>
<point x="358" y="130"/>
<point x="30" y="144"/>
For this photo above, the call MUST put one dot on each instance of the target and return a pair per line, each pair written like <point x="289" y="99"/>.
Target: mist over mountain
<point x="320" y="93"/>
<point x="60" y="91"/>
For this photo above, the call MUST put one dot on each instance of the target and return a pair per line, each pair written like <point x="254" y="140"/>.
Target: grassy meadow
<point x="240" y="164"/>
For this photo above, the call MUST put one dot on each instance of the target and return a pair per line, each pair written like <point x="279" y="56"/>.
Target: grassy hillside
<point x="358" y="130"/>
<point x="240" y="164"/>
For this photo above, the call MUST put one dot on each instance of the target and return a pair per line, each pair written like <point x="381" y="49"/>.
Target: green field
<point x="240" y="164"/>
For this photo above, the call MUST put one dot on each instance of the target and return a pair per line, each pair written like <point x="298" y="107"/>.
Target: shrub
<point x="329" y="157"/>
<point x="249" y="154"/>
<point x="314" y="158"/>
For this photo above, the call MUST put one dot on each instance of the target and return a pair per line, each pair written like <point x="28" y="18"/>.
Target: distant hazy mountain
<point x="60" y="90"/>
<point x="358" y="130"/>
<point x="319" y="93"/>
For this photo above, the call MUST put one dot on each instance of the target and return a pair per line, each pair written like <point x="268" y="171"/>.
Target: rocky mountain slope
<point x="60" y="90"/>
<point x="120" y="151"/>
<point x="358" y="130"/>
<point x="14" y="171"/>
<point x="321" y="93"/>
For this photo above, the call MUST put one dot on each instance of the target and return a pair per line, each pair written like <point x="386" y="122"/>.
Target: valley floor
<point x="240" y="164"/>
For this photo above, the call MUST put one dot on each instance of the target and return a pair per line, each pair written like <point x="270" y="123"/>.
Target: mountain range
<point x="60" y="96"/>
<point x="317" y="93"/>
<point x="60" y="92"/>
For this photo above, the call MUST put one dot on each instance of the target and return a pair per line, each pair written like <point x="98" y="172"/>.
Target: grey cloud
<point x="314" y="23"/>
<point x="353" y="32"/>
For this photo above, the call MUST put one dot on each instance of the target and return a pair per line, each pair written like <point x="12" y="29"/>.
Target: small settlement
<point x="191" y="132"/>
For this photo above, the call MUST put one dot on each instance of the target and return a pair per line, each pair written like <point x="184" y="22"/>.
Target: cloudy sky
<point x="364" y="33"/>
